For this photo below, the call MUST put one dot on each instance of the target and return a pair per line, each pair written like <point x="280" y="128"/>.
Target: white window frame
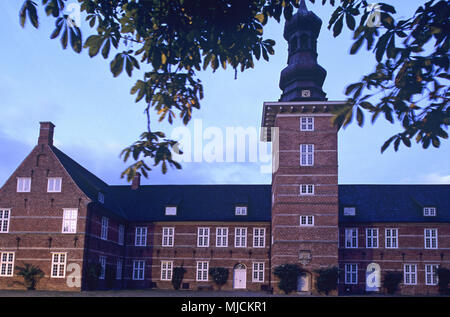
<point x="69" y="223"/>
<point x="5" y="217"/>
<point x="138" y="270"/>
<point x="59" y="260"/>
<point x="351" y="238"/>
<point x="7" y="263"/>
<point x="222" y="237"/>
<point x="171" y="211"/>
<point x="431" y="277"/>
<point x="121" y="235"/>
<point x="306" y="154"/>
<point x="306" y="221"/>
<point x="410" y="276"/>
<point x="240" y="237"/>
<point x="104" y="232"/>
<point x="119" y="269"/>
<point x="429" y="211"/>
<point x="202" y="271"/>
<point x="259" y="237"/>
<point x="23" y="184"/>
<point x="306" y="189"/>
<point x="391" y="239"/>
<point x="203" y="237"/>
<point x="351" y="273"/>
<point x="349" y="211"/>
<point x="102" y="261"/>
<point x="306" y="123"/>
<point x="258" y="272"/>
<point x="54" y="184"/>
<point x="166" y="270"/>
<point x="168" y="236"/>
<point x="140" y="237"/>
<point x="430" y="238"/>
<point x="240" y="210"/>
<point x="372" y="241"/>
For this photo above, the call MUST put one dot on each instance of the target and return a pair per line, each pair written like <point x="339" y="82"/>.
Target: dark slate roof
<point x="394" y="203"/>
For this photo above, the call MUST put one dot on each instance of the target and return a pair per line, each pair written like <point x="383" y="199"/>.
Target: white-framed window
<point x="410" y="274"/>
<point x="371" y="238"/>
<point x="240" y="237"/>
<point x="101" y="197"/>
<point x="306" y="189"/>
<point x="6" y="264"/>
<point x="203" y="237"/>
<point x="221" y="237"/>
<point x="59" y="265"/>
<point x="171" y="210"/>
<point x="166" y="270"/>
<point x="167" y="236"/>
<point x="121" y="236"/>
<point x="69" y="224"/>
<point x="431" y="277"/>
<point x="23" y="184"/>
<point x="202" y="271"/>
<point x="349" y="211"/>
<point x="258" y="272"/>
<point x="104" y="232"/>
<point x="351" y="273"/>
<point x="240" y="211"/>
<point x="259" y="237"/>
<point x="306" y="123"/>
<point x="140" y="237"/>
<point x="391" y="237"/>
<point x="431" y="238"/>
<point x="119" y="267"/>
<point x="306" y="154"/>
<point x="102" y="261"/>
<point x="351" y="238"/>
<point x="429" y="211"/>
<point x="306" y="221"/>
<point x="5" y="215"/>
<point x="54" y="184"/>
<point x="138" y="269"/>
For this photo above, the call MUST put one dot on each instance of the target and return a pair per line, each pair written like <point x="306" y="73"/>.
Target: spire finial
<point x="302" y="6"/>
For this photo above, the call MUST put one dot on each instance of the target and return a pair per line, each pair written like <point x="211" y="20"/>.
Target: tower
<point x="305" y="167"/>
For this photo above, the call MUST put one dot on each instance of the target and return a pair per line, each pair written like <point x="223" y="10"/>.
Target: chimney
<point x="136" y="182"/>
<point x="46" y="133"/>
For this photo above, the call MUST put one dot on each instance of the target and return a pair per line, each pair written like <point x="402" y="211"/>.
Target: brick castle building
<point x="57" y="215"/>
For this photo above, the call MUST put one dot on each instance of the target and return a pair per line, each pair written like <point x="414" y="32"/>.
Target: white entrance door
<point x="240" y="277"/>
<point x="303" y="283"/>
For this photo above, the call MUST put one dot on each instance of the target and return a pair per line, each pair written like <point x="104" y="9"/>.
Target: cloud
<point x="12" y="153"/>
<point x="435" y="178"/>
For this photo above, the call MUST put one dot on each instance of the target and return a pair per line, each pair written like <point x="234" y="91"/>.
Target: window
<point x="259" y="237"/>
<point x="4" y="219"/>
<point x="306" y="221"/>
<point x="202" y="271"/>
<point x="306" y="154"/>
<point x="429" y="211"/>
<point x="119" y="269"/>
<point x="167" y="237"/>
<point x="221" y="237"/>
<point x="371" y="238"/>
<point x="69" y="221"/>
<point x="349" y="211"/>
<point x="351" y="238"/>
<point x="306" y="189"/>
<point x="391" y="238"/>
<point x="240" y="237"/>
<point x="140" y="237"/>
<point x="410" y="274"/>
<point x="101" y="198"/>
<point x="138" y="269"/>
<point x="171" y="211"/>
<point x="23" y="184"/>
<point x="431" y="239"/>
<point x="54" y="185"/>
<point x="240" y="211"/>
<point x="102" y="261"/>
<point x="258" y="272"/>
<point x="431" y="277"/>
<point x="58" y="265"/>
<point x="351" y="273"/>
<point x="104" y="233"/>
<point x="6" y="264"/>
<point x="121" y="238"/>
<point x="203" y="237"/>
<point x="306" y="124"/>
<point x="166" y="270"/>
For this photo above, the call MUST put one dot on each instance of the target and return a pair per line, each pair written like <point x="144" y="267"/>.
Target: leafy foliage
<point x="288" y="275"/>
<point x="31" y="275"/>
<point x="177" y="277"/>
<point x="219" y="275"/>
<point x="391" y="281"/>
<point x="443" y="280"/>
<point x="327" y="279"/>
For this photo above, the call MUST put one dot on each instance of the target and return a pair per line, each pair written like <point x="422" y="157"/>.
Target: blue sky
<point x="96" y="117"/>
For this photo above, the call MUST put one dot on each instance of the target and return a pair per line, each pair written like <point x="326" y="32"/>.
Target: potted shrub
<point x="391" y="281"/>
<point x="443" y="280"/>
<point x="177" y="277"/>
<point x="31" y="275"/>
<point x="219" y="275"/>
<point x="326" y="280"/>
<point x="288" y="275"/>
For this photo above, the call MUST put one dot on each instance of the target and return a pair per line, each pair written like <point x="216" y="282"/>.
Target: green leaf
<point x="350" y="21"/>
<point x="359" y="117"/>
<point x="117" y="65"/>
<point x="106" y="48"/>
<point x="338" y="26"/>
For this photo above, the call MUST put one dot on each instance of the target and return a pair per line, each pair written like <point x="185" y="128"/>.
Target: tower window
<point x="306" y="124"/>
<point x="306" y="154"/>
<point x="306" y="189"/>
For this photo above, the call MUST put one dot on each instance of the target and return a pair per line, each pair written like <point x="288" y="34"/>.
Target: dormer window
<point x="101" y="198"/>
<point x="240" y="211"/>
<point x="429" y="211"/>
<point x="171" y="210"/>
<point x="54" y="184"/>
<point x="349" y="211"/>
